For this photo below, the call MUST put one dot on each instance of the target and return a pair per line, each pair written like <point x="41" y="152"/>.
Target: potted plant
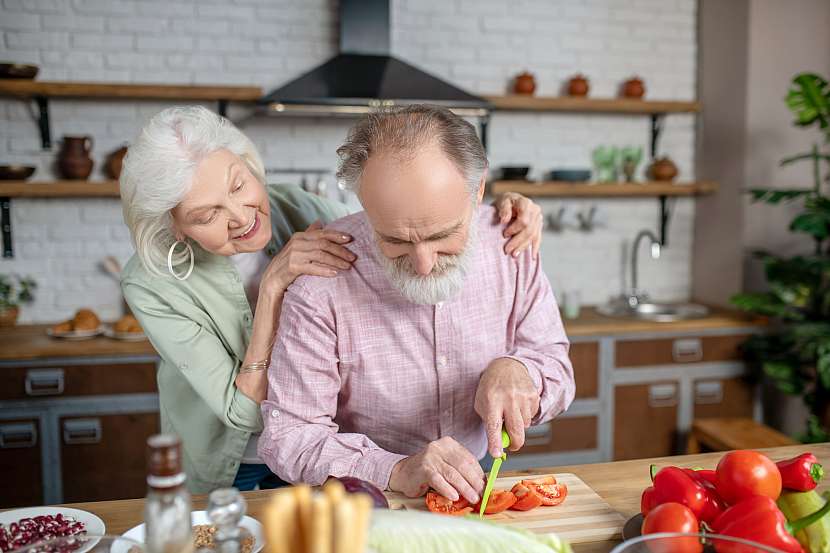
<point x="795" y="354"/>
<point x="14" y="290"/>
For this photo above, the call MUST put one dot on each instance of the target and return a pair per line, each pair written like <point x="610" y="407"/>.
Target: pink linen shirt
<point x="362" y="378"/>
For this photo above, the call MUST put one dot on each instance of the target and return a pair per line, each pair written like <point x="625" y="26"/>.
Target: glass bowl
<point x="84" y="544"/>
<point x="690" y="543"/>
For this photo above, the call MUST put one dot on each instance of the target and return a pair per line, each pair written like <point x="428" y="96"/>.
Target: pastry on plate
<point x="62" y="328"/>
<point x="127" y="325"/>
<point x="85" y="319"/>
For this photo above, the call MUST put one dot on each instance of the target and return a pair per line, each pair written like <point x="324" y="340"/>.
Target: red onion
<point x="356" y="485"/>
<point x="27" y="531"/>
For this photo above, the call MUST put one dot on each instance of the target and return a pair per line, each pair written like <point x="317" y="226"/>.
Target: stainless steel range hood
<point x="363" y="76"/>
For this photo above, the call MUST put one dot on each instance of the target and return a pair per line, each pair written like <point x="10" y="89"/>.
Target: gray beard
<point x="447" y="276"/>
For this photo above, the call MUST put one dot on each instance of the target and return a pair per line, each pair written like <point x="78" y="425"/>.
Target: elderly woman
<point x="216" y="248"/>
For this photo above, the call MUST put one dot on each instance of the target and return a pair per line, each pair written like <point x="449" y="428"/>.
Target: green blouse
<point x="200" y="328"/>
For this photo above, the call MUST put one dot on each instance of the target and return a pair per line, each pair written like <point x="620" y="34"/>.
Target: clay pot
<point x="578" y="86"/>
<point x="114" y="162"/>
<point x="524" y="83"/>
<point x="633" y="88"/>
<point x="74" y="161"/>
<point x="8" y="317"/>
<point x="662" y="169"/>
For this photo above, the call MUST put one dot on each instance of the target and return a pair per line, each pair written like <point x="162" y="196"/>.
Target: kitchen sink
<point x="659" y="312"/>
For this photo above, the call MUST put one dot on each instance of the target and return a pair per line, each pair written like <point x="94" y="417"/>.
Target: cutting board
<point x="583" y="517"/>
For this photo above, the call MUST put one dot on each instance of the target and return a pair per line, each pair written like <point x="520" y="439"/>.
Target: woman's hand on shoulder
<point x="253" y="384"/>
<point x="525" y="218"/>
<point x="316" y="251"/>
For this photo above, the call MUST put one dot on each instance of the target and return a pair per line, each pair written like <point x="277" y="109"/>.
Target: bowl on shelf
<point x="571" y="175"/>
<point x="18" y="71"/>
<point x="16" y="172"/>
<point x="515" y="172"/>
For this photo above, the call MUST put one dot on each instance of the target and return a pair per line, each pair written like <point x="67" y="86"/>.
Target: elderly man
<point x="403" y="370"/>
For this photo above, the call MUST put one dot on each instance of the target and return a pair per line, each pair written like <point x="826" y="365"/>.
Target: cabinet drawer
<point x="731" y="397"/>
<point x="81" y="380"/>
<point x="562" y="434"/>
<point x="645" y="420"/>
<point x="643" y="353"/>
<point x="103" y="457"/>
<point x="585" y="360"/>
<point x="20" y="464"/>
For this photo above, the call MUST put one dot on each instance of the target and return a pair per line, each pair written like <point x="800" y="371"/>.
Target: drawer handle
<point x="687" y="351"/>
<point x="708" y="392"/>
<point x="82" y="431"/>
<point x="18" y="434"/>
<point x="662" y="395"/>
<point x="538" y="435"/>
<point x="44" y="382"/>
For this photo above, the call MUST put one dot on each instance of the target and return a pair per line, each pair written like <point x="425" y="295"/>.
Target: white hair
<point x="159" y="169"/>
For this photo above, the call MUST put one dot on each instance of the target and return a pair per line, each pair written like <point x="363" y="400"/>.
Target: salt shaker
<point x="226" y="507"/>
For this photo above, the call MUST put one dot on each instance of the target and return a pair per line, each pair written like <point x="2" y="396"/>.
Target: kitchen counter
<point x="619" y="484"/>
<point x="591" y="323"/>
<point x="28" y="342"/>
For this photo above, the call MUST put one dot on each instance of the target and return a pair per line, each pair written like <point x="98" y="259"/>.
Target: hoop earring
<point x="170" y="259"/>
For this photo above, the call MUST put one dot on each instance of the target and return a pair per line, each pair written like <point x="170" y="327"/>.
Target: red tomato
<point x="526" y="498"/>
<point x="500" y="500"/>
<point x="742" y="474"/>
<point x="673" y="517"/>
<point x="547" y="488"/>
<point x="437" y="503"/>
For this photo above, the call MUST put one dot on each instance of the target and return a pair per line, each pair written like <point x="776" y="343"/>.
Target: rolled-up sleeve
<point x="301" y="441"/>
<point x="540" y="342"/>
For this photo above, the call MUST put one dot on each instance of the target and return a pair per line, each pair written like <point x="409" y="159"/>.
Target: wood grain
<point x="723" y="434"/>
<point x="646" y="353"/>
<point x="24" y="88"/>
<point x="583" y="517"/>
<point x="59" y="189"/>
<point x="93" y="379"/>
<point x="619" y="484"/>
<point x="27" y="342"/>
<point x="523" y="102"/>
<point x="585" y="360"/>
<point x="557" y="189"/>
<point x="591" y="323"/>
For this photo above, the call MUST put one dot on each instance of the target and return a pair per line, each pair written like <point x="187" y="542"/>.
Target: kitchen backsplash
<point x="472" y="43"/>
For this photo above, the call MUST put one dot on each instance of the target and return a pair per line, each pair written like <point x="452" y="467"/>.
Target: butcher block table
<point x="619" y="484"/>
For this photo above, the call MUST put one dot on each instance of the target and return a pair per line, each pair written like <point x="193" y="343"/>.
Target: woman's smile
<point x="251" y="231"/>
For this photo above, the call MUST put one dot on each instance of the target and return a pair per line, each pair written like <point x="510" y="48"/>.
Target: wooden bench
<point x="733" y="433"/>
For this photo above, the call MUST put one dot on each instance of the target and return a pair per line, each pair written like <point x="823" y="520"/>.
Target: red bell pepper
<point x="714" y="505"/>
<point x="758" y="519"/>
<point x="649" y="500"/>
<point x="684" y="486"/>
<point x="800" y="473"/>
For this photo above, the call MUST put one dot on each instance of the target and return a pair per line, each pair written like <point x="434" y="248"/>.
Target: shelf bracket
<point x="656" y="129"/>
<point x="666" y="209"/>
<point x="223" y="108"/>
<point x="43" y="121"/>
<point x="6" y="226"/>
<point x="483" y="123"/>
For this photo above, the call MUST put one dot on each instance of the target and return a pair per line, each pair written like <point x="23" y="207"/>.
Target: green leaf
<point x="801" y="157"/>
<point x="809" y="100"/>
<point x="815" y="224"/>
<point x="776" y="196"/>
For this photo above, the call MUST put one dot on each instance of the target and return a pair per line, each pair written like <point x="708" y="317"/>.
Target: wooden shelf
<point x="518" y="102"/>
<point x="27" y="89"/>
<point x="59" y="189"/>
<point x="553" y="189"/>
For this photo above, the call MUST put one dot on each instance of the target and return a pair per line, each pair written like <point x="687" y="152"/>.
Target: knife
<point x="494" y="473"/>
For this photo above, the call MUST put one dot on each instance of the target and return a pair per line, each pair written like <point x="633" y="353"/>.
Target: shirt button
<point x="442" y="361"/>
<point x="274" y="413"/>
<point x="439" y="305"/>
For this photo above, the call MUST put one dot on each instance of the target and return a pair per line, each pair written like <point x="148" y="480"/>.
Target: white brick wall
<point x="476" y="44"/>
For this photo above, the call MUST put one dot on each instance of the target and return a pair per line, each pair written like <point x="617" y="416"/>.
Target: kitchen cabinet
<point x="727" y="397"/>
<point x="103" y="457"/>
<point x="585" y="360"/>
<point x="645" y="419"/>
<point x="687" y="349"/>
<point x="20" y="462"/>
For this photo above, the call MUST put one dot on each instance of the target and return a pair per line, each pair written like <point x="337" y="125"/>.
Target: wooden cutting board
<point x="583" y="517"/>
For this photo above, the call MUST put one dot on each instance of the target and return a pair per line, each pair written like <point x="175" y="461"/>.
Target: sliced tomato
<point x="543" y="481"/>
<point x="551" y="494"/>
<point x="437" y="503"/>
<point x="526" y="498"/>
<point x="500" y="500"/>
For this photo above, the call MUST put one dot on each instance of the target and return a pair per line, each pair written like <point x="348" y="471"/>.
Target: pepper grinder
<point x="226" y="507"/>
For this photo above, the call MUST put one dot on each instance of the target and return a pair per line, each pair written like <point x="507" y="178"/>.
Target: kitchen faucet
<point x="635" y="296"/>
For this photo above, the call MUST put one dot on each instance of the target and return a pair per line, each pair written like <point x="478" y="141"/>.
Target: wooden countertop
<point x="27" y="342"/>
<point x="619" y="484"/>
<point x="591" y="323"/>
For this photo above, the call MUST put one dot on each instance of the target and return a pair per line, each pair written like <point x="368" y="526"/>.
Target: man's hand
<point x="445" y="466"/>
<point x="506" y="395"/>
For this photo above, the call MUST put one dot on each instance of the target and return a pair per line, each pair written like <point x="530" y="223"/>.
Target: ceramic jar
<point x="663" y="169"/>
<point x="634" y="88"/>
<point x="114" y="163"/>
<point x="524" y="83"/>
<point x="578" y="86"/>
<point x="74" y="161"/>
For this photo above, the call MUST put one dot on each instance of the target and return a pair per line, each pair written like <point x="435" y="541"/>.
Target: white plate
<point x="94" y="526"/>
<point x="250" y="524"/>
<point x="76" y="334"/>
<point x="110" y="332"/>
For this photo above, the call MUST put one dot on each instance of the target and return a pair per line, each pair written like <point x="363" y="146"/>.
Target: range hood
<point x="363" y="76"/>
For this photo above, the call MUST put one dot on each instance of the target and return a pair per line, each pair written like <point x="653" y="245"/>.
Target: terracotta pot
<point x="663" y="169"/>
<point x="633" y="88"/>
<point x="114" y="163"/>
<point x="74" y="161"/>
<point x="8" y="317"/>
<point x="578" y="86"/>
<point x="524" y="83"/>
